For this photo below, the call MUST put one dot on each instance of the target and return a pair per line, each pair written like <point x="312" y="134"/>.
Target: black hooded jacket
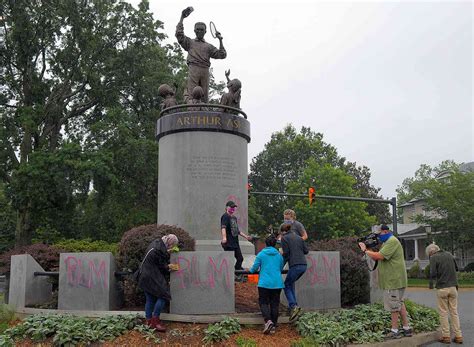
<point x="154" y="275"/>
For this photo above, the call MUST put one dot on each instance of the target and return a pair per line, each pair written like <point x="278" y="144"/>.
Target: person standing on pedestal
<point x="230" y="234"/>
<point x="199" y="55"/>
<point x="289" y="217"/>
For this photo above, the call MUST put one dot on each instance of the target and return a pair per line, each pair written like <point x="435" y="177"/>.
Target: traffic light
<point x="311" y="195"/>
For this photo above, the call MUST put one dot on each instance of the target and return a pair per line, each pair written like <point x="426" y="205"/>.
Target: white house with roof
<point x="416" y="236"/>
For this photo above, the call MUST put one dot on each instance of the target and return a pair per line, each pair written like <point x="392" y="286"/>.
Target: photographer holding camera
<point x="392" y="279"/>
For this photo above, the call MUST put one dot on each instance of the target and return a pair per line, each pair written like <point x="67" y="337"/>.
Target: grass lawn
<point x="423" y="282"/>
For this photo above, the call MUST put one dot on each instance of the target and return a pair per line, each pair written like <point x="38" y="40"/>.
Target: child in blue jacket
<point x="270" y="283"/>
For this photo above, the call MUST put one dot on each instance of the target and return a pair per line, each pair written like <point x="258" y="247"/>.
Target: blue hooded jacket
<point x="270" y="263"/>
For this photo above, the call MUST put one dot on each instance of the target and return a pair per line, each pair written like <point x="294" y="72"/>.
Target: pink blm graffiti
<point x="84" y="273"/>
<point x="241" y="213"/>
<point x="322" y="270"/>
<point x="190" y="273"/>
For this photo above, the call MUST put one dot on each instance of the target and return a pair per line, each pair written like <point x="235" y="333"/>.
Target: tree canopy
<point x="78" y="104"/>
<point x="448" y="197"/>
<point x="294" y="161"/>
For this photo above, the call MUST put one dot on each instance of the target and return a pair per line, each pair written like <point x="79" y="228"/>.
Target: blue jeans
<point x="153" y="305"/>
<point x="294" y="273"/>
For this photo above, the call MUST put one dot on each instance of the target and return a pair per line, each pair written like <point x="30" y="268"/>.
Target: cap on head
<point x="230" y="203"/>
<point x="381" y="228"/>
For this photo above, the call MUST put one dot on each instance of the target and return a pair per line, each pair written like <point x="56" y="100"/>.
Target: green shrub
<point x="414" y="271"/>
<point x="87" y="245"/>
<point x="47" y="256"/>
<point x="469" y="267"/>
<point x="466" y="276"/>
<point x="355" y="284"/>
<point x="131" y="251"/>
<point x="362" y="324"/>
<point x="222" y="330"/>
<point x="426" y="271"/>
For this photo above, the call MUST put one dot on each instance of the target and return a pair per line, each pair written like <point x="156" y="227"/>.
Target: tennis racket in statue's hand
<point x="187" y="11"/>
<point x="214" y="32"/>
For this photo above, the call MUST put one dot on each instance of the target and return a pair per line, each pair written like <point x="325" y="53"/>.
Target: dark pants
<point x="294" y="274"/>
<point x="269" y="301"/>
<point x="239" y="258"/>
<point x="153" y="305"/>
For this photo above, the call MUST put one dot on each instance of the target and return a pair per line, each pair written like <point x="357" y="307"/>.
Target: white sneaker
<point x="268" y="327"/>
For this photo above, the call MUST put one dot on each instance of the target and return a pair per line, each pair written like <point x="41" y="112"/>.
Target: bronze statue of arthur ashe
<point x="199" y="55"/>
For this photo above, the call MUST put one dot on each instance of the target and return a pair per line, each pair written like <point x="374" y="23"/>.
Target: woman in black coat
<point x="154" y="279"/>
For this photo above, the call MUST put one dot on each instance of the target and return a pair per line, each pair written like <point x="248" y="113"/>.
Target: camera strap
<point x="375" y="266"/>
<point x="369" y="260"/>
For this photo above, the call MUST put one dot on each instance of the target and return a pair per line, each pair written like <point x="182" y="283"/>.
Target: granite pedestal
<point x="25" y="288"/>
<point x="204" y="283"/>
<point x="203" y="164"/>
<point x="320" y="286"/>
<point x="87" y="282"/>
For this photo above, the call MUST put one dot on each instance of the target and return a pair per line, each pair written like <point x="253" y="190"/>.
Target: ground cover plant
<point x="222" y="330"/>
<point x="362" y="324"/>
<point x="72" y="330"/>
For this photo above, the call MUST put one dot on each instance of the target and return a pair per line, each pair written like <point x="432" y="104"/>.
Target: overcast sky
<point x="389" y="84"/>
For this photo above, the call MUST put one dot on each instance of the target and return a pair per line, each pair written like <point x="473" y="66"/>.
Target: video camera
<point x="371" y="240"/>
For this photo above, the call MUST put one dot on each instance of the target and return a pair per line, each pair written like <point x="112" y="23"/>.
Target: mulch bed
<point x="188" y="334"/>
<point x="191" y="334"/>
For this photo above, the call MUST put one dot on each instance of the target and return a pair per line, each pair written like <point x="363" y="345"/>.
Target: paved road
<point x="465" y="308"/>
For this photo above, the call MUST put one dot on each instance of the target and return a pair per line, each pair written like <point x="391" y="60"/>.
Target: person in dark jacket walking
<point x="154" y="274"/>
<point x="294" y="251"/>
<point x="443" y="269"/>
<point x="270" y="282"/>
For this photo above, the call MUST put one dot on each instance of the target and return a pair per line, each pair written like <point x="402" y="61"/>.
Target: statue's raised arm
<point x="199" y="54"/>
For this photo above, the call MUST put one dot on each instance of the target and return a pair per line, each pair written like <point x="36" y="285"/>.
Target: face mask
<point x="287" y="221"/>
<point x="384" y="237"/>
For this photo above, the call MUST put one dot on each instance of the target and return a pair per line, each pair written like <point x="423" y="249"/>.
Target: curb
<point x="244" y="318"/>
<point x="415" y="340"/>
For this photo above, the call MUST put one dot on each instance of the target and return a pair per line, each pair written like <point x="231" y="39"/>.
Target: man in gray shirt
<point x="443" y="269"/>
<point x="199" y="55"/>
<point x="289" y="217"/>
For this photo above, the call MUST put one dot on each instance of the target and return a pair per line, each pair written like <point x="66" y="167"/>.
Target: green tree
<point x="448" y="196"/>
<point x="284" y="160"/>
<point x="326" y="219"/>
<point x="67" y="65"/>
<point x="7" y="221"/>
<point x="412" y="187"/>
